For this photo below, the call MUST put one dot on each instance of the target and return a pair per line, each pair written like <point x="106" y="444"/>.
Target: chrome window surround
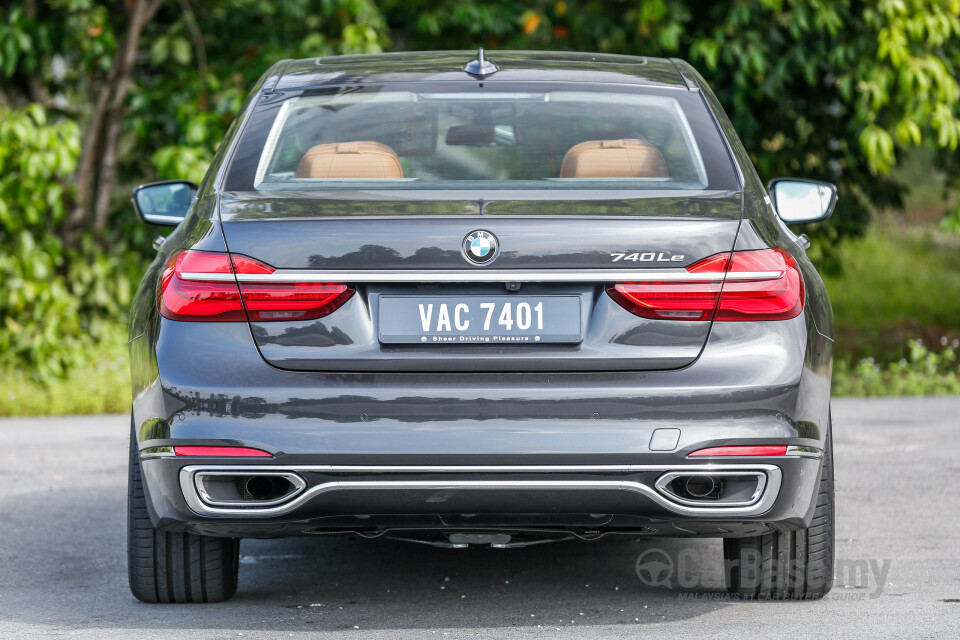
<point x="762" y="504"/>
<point x="400" y="96"/>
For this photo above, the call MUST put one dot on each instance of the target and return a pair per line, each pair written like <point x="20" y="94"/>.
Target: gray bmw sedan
<point x="481" y="299"/>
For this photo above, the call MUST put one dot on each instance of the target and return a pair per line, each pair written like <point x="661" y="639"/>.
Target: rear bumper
<point x="482" y="451"/>
<point x="372" y="499"/>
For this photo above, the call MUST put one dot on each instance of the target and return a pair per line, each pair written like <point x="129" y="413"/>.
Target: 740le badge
<point x="646" y="256"/>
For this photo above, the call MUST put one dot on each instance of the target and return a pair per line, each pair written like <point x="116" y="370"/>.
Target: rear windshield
<point x="513" y="137"/>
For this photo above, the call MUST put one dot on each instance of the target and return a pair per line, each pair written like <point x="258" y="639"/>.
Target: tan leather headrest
<point x="629" y="158"/>
<point x="360" y="159"/>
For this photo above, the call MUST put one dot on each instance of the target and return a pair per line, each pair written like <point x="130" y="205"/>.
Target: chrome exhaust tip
<point x="720" y="488"/>
<point x="263" y="488"/>
<point x="700" y="486"/>
<point x="247" y="488"/>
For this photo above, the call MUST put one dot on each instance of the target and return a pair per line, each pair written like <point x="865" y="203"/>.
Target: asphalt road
<point x="63" y="563"/>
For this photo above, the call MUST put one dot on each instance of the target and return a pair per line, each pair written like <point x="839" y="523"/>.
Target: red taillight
<point x="742" y="450"/>
<point x="184" y="295"/>
<point x="292" y="301"/>
<point x="217" y="287"/>
<point x="744" y="285"/>
<point x="222" y="452"/>
<point x="688" y="299"/>
<point x="761" y="298"/>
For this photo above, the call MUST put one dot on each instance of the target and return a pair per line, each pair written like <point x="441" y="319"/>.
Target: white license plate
<point x="480" y="319"/>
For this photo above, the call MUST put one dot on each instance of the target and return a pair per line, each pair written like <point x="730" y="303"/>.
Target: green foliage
<point x="914" y="88"/>
<point x="923" y="372"/>
<point x="16" y="44"/>
<point x="821" y="88"/>
<point x="66" y="290"/>
<point x="58" y="301"/>
<point x="102" y="385"/>
<point x="898" y="283"/>
<point x="829" y="89"/>
<point x="36" y="307"/>
<point x="951" y="221"/>
<point x="180" y="108"/>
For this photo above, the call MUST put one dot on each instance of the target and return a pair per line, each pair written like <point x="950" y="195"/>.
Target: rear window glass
<point x="369" y="137"/>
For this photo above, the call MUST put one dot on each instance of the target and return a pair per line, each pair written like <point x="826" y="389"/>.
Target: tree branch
<point x="151" y="11"/>
<point x="141" y="14"/>
<point x="197" y="36"/>
<point x="87" y="168"/>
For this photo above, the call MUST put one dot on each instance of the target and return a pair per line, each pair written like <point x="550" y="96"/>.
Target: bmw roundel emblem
<point x="480" y="247"/>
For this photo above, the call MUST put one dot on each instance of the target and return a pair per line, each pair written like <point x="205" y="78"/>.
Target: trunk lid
<point x="404" y="256"/>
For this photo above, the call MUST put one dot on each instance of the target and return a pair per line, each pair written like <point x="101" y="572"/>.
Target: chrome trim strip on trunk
<point x="460" y="276"/>
<point x="771" y="490"/>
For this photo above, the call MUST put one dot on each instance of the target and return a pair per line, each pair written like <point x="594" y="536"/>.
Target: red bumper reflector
<point x="222" y="452"/>
<point x="742" y="450"/>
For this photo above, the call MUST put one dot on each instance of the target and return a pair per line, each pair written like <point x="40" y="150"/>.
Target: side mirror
<point x="165" y="202"/>
<point x="797" y="200"/>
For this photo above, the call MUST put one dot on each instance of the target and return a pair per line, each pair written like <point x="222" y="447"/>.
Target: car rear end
<point x="485" y="310"/>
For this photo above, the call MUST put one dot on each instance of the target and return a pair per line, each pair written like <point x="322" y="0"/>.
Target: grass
<point x="900" y="283"/>
<point x="924" y="372"/>
<point x="103" y="387"/>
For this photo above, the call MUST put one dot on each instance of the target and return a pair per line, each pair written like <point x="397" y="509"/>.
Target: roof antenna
<point x="481" y="67"/>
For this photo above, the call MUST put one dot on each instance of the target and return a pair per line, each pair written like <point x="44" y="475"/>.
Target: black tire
<point x="790" y="565"/>
<point x="174" y="567"/>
